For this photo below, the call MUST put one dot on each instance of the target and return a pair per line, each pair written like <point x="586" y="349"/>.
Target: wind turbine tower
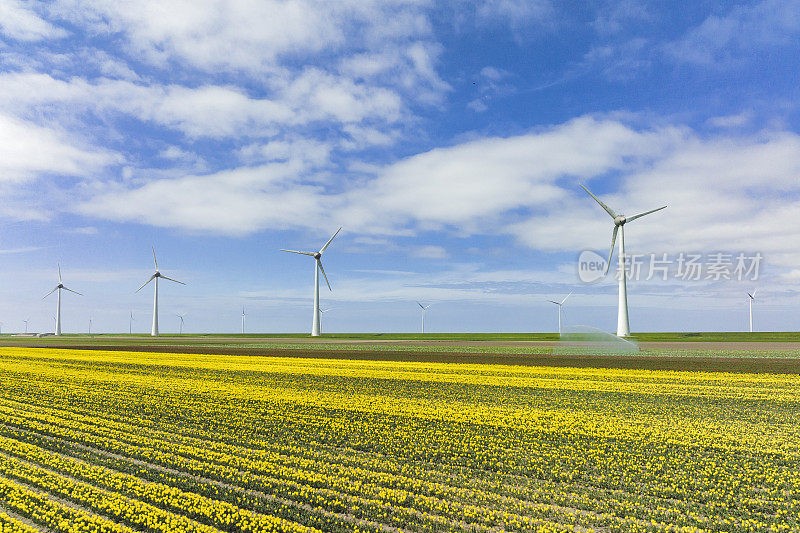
<point x="130" y="324"/>
<point x="243" y="316"/>
<point x="751" y="299"/>
<point x="560" y="306"/>
<point x="157" y="274"/>
<point x="424" y="308"/>
<point x="623" y="325"/>
<point x="315" y="330"/>
<point x="26" y="324"/>
<point x="58" y="288"/>
<point x="180" y="331"/>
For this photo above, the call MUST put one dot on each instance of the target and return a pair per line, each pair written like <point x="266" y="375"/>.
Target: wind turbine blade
<point x="552" y="302"/>
<point x="754" y="294"/>
<point x="419" y="304"/>
<point x="613" y="240"/>
<point x="751" y="296"/>
<point x="145" y="283"/>
<point x="59" y="272"/>
<point x="175" y="280"/>
<point x="154" y="257"/>
<point x="70" y="290"/>
<point x="329" y="240"/>
<point x="565" y="298"/>
<point x="640" y="215"/>
<point x="319" y="263"/>
<point x="604" y="206"/>
<point x="48" y="294"/>
<point x="296" y="252"/>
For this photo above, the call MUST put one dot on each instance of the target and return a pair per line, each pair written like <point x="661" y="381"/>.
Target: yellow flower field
<point x="122" y="441"/>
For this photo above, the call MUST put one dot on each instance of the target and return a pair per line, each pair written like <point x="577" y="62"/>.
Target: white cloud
<point x="243" y="35"/>
<point x="212" y="110"/>
<point x="18" y="21"/>
<point x="477" y="105"/>
<point x="28" y="150"/>
<point x="429" y="252"/>
<point x="232" y="202"/>
<point x="731" y="121"/>
<point x="514" y="13"/>
<point x="723" y="193"/>
<point x="722" y="40"/>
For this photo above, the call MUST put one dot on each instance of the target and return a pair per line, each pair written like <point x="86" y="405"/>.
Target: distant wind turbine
<point x="623" y="325"/>
<point x="750" y="300"/>
<point x="90" y="326"/>
<point x="315" y="329"/>
<point x="130" y="324"/>
<point x="26" y="324"/>
<point x="560" y="306"/>
<point x="180" y="331"/>
<point x="155" y="276"/>
<point x="59" y="287"/>
<point x="322" y="312"/>
<point x="424" y="308"/>
<point x="243" y="316"/>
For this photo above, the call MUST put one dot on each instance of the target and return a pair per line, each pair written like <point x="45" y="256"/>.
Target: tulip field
<point x="119" y="441"/>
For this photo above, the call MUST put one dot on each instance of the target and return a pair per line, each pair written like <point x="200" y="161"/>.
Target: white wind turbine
<point x="243" y="315"/>
<point x="130" y="324"/>
<point x="26" y="324"/>
<point x="155" y="276"/>
<point x="424" y="308"/>
<point x="322" y="312"/>
<point x="315" y="330"/>
<point x="623" y="325"/>
<point x="560" y="305"/>
<point x="58" y="288"/>
<point x="180" y="331"/>
<point x="751" y="299"/>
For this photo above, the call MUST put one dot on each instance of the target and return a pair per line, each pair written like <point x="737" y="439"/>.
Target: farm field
<point x="145" y="441"/>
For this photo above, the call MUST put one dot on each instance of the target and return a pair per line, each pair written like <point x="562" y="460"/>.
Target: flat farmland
<point x="100" y="440"/>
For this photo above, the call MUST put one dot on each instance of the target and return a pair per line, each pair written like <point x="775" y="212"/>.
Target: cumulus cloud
<point x="524" y="186"/>
<point x="28" y="150"/>
<point x="18" y="21"/>
<point x="243" y="35"/>
<point x="211" y="110"/>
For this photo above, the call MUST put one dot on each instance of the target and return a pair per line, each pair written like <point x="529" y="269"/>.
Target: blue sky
<point x="447" y="138"/>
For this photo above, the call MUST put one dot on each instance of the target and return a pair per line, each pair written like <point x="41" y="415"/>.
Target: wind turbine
<point x="180" y="331"/>
<point x="623" y="325"/>
<point x="323" y="311"/>
<point x="424" y="308"/>
<point x="752" y="298"/>
<point x="90" y="326"/>
<point x="317" y="268"/>
<point x="243" y="315"/>
<point x="58" y="288"/>
<point x="560" y="305"/>
<point x="130" y="325"/>
<point x="155" y="276"/>
<point x="26" y="324"/>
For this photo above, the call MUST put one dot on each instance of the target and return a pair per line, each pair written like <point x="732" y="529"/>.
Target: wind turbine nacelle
<point x="619" y="220"/>
<point x="317" y="255"/>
